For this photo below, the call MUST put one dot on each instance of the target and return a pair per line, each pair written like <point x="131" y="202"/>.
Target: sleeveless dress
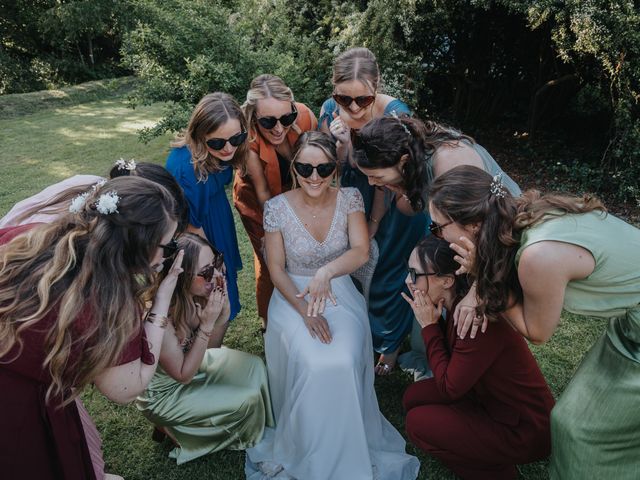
<point x="415" y="360"/>
<point x="328" y="423"/>
<point x="225" y="405"/>
<point x="209" y="209"/>
<point x="596" y="423"/>
<point x="390" y="316"/>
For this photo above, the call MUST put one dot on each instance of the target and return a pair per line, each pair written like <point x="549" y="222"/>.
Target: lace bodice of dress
<point x="303" y="253"/>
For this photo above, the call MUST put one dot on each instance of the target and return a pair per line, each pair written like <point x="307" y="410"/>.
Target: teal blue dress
<point x="209" y="209"/>
<point x="390" y="316"/>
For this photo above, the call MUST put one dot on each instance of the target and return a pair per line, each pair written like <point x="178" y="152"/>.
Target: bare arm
<point x="255" y="170"/>
<point x="123" y="383"/>
<point x="183" y="366"/>
<point x="544" y="271"/>
<point x="378" y="211"/>
<point x="447" y="157"/>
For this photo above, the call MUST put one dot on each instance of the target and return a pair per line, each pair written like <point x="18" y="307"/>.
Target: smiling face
<point x="270" y="107"/>
<point x="380" y="177"/>
<point x="356" y="88"/>
<point x="314" y="185"/>
<point x="228" y="129"/>
<point x="159" y="256"/>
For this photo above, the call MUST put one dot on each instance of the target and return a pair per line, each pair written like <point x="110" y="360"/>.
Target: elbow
<point x="363" y="256"/>
<point x="538" y="339"/>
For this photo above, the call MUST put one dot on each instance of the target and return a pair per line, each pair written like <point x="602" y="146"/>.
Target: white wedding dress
<point x="328" y="423"/>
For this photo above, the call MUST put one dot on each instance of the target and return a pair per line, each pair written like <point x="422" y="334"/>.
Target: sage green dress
<point x="595" y="426"/>
<point x="226" y="404"/>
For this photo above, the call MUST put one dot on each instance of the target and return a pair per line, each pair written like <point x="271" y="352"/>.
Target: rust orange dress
<point x="246" y="201"/>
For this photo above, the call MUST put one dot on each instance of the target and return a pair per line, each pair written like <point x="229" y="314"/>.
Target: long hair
<point x="463" y="194"/>
<point x="357" y="64"/>
<point x="87" y="273"/>
<point x="182" y="305"/>
<point x="263" y="87"/>
<point x="211" y="112"/>
<point x="320" y="140"/>
<point x="382" y="142"/>
<point x="435" y="254"/>
<point x="158" y="174"/>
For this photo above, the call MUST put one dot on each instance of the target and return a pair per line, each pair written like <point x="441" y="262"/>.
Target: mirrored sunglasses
<point x="362" y="101"/>
<point x="305" y="170"/>
<point x="219" y="143"/>
<point x="285" y="120"/>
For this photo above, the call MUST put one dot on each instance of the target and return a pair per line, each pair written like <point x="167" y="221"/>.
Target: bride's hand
<point x="319" y="290"/>
<point x="318" y="327"/>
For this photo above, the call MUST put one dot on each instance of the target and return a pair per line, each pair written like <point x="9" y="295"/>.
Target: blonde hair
<point x="263" y="87"/>
<point x="211" y="112"/>
<point x="357" y="64"/>
<point x="88" y="273"/>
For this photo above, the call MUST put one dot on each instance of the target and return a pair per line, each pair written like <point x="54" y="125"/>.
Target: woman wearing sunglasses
<point x="487" y="406"/>
<point x="202" y="161"/>
<point x="318" y="342"/>
<point x="535" y="256"/>
<point x="205" y="398"/>
<point x="276" y="121"/>
<point x="93" y="267"/>
<point x="404" y="155"/>
<point x="355" y="101"/>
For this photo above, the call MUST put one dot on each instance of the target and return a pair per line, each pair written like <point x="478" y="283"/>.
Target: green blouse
<point x="613" y="288"/>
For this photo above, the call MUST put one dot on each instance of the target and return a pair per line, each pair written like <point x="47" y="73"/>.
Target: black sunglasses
<point x="436" y="229"/>
<point x="413" y="275"/>
<point x="234" y="141"/>
<point x="362" y="101"/>
<point x="170" y="249"/>
<point x="306" y="170"/>
<point x="285" y="120"/>
<point x="217" y="264"/>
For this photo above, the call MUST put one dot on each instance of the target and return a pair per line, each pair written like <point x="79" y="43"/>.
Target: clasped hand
<point x="319" y="290"/>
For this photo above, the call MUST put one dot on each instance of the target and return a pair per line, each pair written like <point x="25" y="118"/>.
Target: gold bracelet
<point x="157" y="320"/>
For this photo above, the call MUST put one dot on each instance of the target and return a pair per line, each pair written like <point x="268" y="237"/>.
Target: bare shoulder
<point x="545" y="260"/>
<point x="449" y="156"/>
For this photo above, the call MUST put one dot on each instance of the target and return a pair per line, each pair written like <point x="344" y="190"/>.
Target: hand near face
<point x="215" y="304"/>
<point x="340" y="130"/>
<point x="466" y="255"/>
<point x="423" y="309"/>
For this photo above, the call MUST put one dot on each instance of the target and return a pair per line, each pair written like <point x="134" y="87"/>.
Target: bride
<point x="318" y="342"/>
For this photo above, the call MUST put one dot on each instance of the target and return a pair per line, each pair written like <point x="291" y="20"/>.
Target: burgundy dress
<point x="40" y="439"/>
<point x="487" y="407"/>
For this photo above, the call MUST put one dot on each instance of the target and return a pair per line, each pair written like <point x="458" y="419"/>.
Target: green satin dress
<point x="595" y="426"/>
<point x="226" y="404"/>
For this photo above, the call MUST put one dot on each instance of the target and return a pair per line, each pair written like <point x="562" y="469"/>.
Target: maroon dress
<point x="40" y="439"/>
<point x="487" y="407"/>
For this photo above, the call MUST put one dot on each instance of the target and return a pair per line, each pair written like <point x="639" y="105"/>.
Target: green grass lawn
<point x="42" y="148"/>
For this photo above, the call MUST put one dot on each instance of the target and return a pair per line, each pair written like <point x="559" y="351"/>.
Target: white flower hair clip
<point x="77" y="204"/>
<point x="394" y="114"/>
<point x="123" y="164"/>
<point x="497" y="187"/>
<point x="108" y="203"/>
<point x="98" y="185"/>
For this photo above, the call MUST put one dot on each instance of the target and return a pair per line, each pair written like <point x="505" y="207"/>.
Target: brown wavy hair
<point x="383" y="141"/>
<point x="211" y="112"/>
<point x="463" y="194"/>
<point x="182" y="305"/>
<point x="357" y="64"/>
<point x="84" y="263"/>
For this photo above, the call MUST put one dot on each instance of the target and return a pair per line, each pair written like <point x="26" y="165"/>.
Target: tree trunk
<point x="90" y="43"/>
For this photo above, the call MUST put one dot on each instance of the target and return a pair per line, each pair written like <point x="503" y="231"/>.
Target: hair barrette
<point x="497" y="187"/>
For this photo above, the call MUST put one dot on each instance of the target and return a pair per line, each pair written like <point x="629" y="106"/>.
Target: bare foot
<point x="386" y="363"/>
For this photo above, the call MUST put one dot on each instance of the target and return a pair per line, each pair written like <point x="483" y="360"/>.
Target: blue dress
<point x="209" y="209"/>
<point x="390" y="316"/>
